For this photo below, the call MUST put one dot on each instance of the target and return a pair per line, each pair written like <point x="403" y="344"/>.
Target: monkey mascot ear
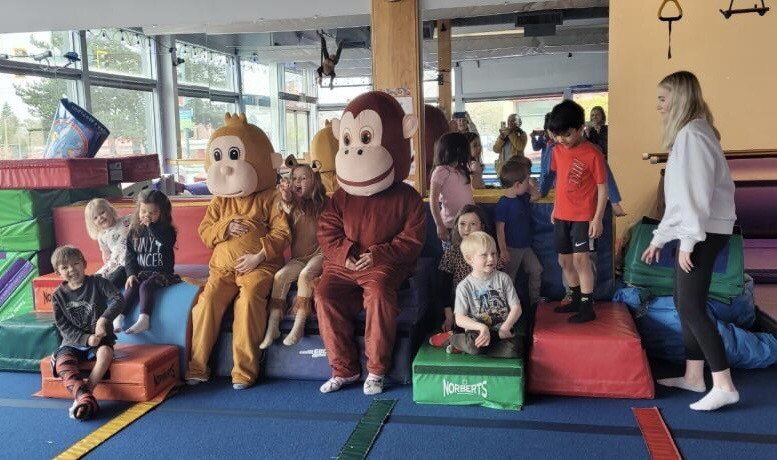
<point x="323" y="147"/>
<point x="315" y="165"/>
<point x="374" y="151"/>
<point x="291" y="161"/>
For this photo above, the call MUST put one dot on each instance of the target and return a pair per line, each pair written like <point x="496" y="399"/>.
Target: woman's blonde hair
<point x="476" y="241"/>
<point x="687" y="104"/>
<point x="93" y="208"/>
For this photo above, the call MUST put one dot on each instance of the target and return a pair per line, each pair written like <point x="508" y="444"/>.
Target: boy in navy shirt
<point x="512" y="216"/>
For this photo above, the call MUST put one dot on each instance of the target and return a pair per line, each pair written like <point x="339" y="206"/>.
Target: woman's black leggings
<point x="700" y="334"/>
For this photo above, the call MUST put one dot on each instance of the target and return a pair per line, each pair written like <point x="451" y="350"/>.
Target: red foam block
<point x="134" y="168"/>
<point x="137" y="373"/>
<point x="601" y="358"/>
<point x="54" y="173"/>
<point x="69" y="228"/>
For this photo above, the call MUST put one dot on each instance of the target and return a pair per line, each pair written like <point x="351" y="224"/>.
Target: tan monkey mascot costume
<point x="323" y="148"/>
<point x="248" y="232"/>
<point x="371" y="234"/>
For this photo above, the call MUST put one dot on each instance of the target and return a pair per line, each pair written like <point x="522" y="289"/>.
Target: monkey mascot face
<point x="323" y="148"/>
<point x="374" y="136"/>
<point x="240" y="159"/>
<point x="435" y="125"/>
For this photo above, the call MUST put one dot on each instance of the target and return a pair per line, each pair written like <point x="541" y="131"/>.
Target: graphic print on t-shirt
<point x="80" y="313"/>
<point x="492" y="307"/>
<point x="577" y="172"/>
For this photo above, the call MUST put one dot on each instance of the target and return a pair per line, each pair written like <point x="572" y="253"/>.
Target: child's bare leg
<point x="101" y="365"/>
<point x="566" y="261"/>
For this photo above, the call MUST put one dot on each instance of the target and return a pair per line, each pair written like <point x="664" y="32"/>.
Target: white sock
<point x="140" y="325"/>
<point x="335" y="383"/>
<point x="716" y="399"/>
<point x="273" y="331"/>
<point x="680" y="382"/>
<point x="118" y="323"/>
<point x="373" y="384"/>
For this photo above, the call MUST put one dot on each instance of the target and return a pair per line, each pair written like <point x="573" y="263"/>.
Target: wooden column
<point x="396" y="65"/>
<point x="445" y="98"/>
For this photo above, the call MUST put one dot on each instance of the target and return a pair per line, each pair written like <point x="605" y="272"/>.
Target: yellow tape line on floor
<point x="102" y="434"/>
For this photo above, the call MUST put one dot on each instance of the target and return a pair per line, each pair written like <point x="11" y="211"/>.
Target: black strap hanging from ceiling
<point x="670" y="19"/>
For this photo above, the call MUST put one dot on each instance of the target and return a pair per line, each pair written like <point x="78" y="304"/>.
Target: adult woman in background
<point x="699" y="194"/>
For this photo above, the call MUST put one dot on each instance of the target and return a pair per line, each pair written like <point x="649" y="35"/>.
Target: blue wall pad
<point x="170" y="320"/>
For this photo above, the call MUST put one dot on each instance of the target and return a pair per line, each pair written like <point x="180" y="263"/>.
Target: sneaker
<point x="582" y="317"/>
<point x="571" y="307"/>
<point x="240" y="386"/>
<point x="450" y="349"/>
<point x="440" y="340"/>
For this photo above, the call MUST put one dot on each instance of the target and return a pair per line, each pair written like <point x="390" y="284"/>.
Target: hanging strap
<point x="670" y="19"/>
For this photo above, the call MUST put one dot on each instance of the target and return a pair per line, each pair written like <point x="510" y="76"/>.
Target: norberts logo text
<point x="479" y="388"/>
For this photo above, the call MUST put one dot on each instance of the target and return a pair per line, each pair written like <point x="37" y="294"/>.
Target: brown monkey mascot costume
<point x="371" y="235"/>
<point x="323" y="148"/>
<point x="248" y="233"/>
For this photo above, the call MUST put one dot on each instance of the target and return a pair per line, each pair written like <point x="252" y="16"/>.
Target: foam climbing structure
<point x="137" y="373"/>
<point x="461" y="379"/>
<point x="601" y="358"/>
<point x="25" y="339"/>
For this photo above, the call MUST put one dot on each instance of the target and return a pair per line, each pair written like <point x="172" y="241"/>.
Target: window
<point x="119" y="51"/>
<point x="27" y="107"/>
<point x="130" y="117"/>
<point x="22" y="47"/>
<point x="591" y="100"/>
<point x="255" y="78"/>
<point x="294" y="81"/>
<point x="199" y="117"/>
<point x="204" y="67"/>
<point x="324" y="115"/>
<point x="345" y="89"/>
<point x="261" y="116"/>
<point x="297" y="137"/>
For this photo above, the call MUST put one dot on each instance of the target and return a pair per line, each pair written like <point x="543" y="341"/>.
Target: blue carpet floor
<point x="291" y="419"/>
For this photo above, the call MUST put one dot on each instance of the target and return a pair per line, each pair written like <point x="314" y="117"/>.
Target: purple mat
<point x="761" y="260"/>
<point x="756" y="208"/>
<point x="753" y="170"/>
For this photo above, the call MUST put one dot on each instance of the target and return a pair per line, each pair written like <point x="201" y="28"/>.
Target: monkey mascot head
<point x="240" y="160"/>
<point x="435" y="125"/>
<point x="374" y="136"/>
<point x="323" y="148"/>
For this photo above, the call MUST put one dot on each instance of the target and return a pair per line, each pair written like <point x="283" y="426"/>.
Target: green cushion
<point x="23" y="205"/>
<point x="727" y="283"/>
<point x="26" y="339"/>
<point x="29" y="235"/>
<point x="83" y="194"/>
<point x="461" y="379"/>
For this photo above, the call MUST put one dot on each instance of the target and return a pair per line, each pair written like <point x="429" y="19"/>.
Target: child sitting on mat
<point x="150" y="257"/>
<point x="303" y="199"/>
<point x="487" y="306"/>
<point x="84" y="307"/>
<point x="104" y="225"/>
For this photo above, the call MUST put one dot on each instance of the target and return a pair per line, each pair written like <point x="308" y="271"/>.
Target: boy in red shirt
<point x="581" y="196"/>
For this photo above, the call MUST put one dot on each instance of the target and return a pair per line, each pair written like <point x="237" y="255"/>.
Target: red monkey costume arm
<point x="331" y="232"/>
<point x="406" y="246"/>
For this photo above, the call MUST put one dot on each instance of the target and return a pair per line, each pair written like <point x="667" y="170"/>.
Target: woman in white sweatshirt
<point x="699" y="194"/>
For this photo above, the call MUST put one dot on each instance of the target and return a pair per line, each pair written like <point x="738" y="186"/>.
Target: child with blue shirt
<point x="513" y="219"/>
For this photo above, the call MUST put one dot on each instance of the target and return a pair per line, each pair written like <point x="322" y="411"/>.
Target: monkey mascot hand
<point x="248" y="232"/>
<point x="323" y="148"/>
<point x="371" y="235"/>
